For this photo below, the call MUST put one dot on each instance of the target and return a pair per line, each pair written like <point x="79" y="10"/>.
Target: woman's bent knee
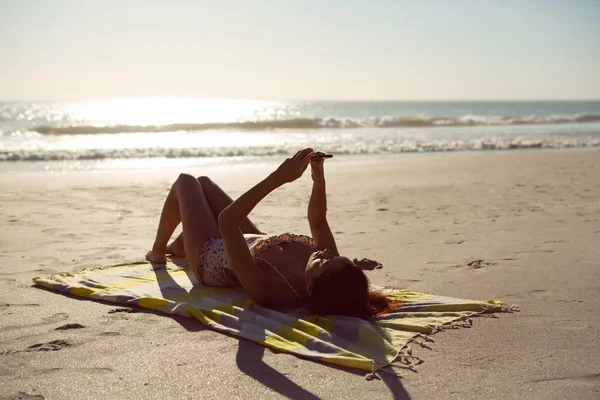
<point x="185" y="179"/>
<point x="184" y="183"/>
<point x="204" y="180"/>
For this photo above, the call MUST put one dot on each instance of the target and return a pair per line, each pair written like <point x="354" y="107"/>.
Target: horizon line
<point x="100" y="98"/>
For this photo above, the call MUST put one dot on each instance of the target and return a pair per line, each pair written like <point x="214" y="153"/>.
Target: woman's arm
<point x="236" y="212"/>
<point x="230" y="219"/>
<point x="317" y="210"/>
<point x="236" y="247"/>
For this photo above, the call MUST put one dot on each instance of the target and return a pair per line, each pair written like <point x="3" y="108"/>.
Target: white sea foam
<point x="357" y="147"/>
<point x="322" y="123"/>
<point x="182" y="129"/>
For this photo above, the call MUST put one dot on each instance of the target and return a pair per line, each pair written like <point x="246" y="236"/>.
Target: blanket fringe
<point x="464" y="322"/>
<point x="62" y="275"/>
<point x="424" y="337"/>
<point x="421" y="343"/>
<point x="404" y="358"/>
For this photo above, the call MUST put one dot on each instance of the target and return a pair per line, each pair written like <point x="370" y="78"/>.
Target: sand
<point x="522" y="227"/>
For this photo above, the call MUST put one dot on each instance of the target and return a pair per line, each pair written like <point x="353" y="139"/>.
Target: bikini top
<point x="259" y="244"/>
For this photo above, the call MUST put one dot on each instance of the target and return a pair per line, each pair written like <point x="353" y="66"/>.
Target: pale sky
<point x="300" y="49"/>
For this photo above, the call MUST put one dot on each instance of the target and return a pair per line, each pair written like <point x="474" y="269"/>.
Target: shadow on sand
<point x="250" y="360"/>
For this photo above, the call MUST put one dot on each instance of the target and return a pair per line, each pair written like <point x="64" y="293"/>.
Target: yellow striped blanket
<point x="343" y="341"/>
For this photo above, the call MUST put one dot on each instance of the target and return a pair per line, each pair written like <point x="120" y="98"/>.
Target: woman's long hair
<point x="346" y="292"/>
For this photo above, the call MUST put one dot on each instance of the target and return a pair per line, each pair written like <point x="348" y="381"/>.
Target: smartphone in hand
<point x="321" y="155"/>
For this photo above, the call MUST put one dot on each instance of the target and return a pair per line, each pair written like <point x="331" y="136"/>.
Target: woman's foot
<point x="156" y="258"/>
<point x="176" y="249"/>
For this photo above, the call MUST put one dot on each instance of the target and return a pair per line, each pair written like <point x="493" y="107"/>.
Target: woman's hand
<point x="316" y="168"/>
<point x="294" y="167"/>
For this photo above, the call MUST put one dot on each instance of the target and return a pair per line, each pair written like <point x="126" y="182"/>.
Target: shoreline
<point x="133" y="164"/>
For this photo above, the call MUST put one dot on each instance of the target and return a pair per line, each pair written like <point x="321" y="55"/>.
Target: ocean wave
<point x="372" y="147"/>
<point x="323" y="123"/>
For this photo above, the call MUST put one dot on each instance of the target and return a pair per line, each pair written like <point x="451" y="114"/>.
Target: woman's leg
<point x="218" y="200"/>
<point x="185" y="203"/>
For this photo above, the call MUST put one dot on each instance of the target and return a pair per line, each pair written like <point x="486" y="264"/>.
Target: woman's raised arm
<point x="231" y="217"/>
<point x="317" y="209"/>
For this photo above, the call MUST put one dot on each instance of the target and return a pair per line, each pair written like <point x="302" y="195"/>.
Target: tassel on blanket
<point x="510" y="308"/>
<point x="464" y="322"/>
<point x="424" y="337"/>
<point x="62" y="275"/>
<point x="421" y="343"/>
<point x="403" y="359"/>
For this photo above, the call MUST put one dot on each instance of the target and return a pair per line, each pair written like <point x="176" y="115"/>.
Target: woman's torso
<point x="282" y="260"/>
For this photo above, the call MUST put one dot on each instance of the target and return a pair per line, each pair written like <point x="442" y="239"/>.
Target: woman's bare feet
<point x="156" y="258"/>
<point x="176" y="248"/>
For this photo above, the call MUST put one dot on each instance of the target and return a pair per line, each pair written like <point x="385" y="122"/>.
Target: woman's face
<point x="324" y="260"/>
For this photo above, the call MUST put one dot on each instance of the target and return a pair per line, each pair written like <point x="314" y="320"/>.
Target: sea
<point x="161" y="132"/>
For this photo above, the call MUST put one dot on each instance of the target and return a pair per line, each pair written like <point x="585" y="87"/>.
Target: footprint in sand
<point x="68" y="327"/>
<point x="110" y="333"/>
<point x="6" y="305"/>
<point x="121" y="310"/>
<point x="55" y="318"/>
<point x="534" y="251"/>
<point x="476" y="264"/>
<point x="54" y="345"/>
<point x="25" y="396"/>
<point x="411" y="280"/>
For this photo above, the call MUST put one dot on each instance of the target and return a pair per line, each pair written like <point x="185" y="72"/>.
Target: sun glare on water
<point x="165" y="111"/>
<point x="168" y="114"/>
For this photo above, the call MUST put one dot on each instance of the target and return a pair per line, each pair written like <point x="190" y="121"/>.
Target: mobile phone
<point x="317" y="156"/>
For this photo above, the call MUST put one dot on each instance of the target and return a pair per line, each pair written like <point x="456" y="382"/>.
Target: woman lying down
<point x="225" y="249"/>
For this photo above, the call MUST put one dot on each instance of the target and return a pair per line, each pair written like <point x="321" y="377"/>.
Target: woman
<point x="224" y="248"/>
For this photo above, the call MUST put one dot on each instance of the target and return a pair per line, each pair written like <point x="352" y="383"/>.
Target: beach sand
<point x="532" y="219"/>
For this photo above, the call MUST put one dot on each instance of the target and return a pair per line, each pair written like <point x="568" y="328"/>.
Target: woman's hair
<point x="346" y="292"/>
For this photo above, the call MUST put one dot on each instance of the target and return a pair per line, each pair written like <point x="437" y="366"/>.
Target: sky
<point x="290" y="49"/>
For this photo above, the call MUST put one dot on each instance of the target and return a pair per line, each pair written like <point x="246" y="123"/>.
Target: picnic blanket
<point x="345" y="341"/>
